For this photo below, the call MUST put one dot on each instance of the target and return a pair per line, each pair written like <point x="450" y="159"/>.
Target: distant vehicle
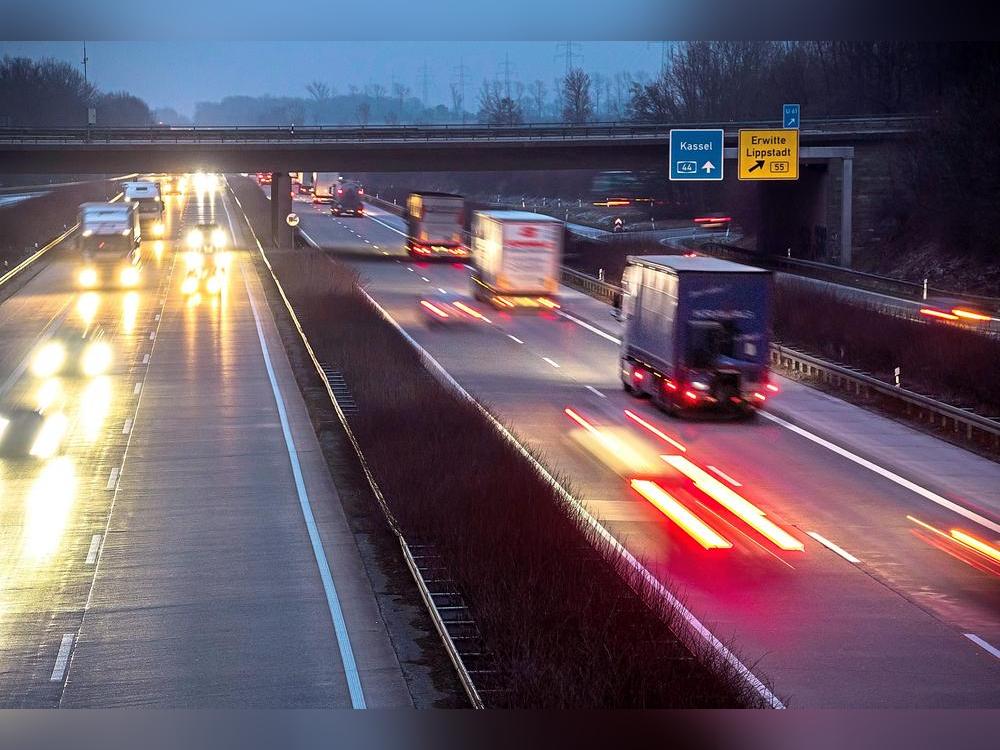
<point x="517" y="255"/>
<point x="263" y="178"/>
<point x="307" y="183"/>
<point x="697" y="333"/>
<point x="434" y="225"/>
<point x="145" y="195"/>
<point x="347" y="201"/>
<point x="325" y="186"/>
<point x="109" y="240"/>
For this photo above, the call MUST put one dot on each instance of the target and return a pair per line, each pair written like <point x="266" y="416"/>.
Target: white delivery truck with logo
<point x="517" y="256"/>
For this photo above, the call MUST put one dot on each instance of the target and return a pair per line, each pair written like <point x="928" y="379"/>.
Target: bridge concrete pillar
<point x="281" y="206"/>
<point x="846" y="204"/>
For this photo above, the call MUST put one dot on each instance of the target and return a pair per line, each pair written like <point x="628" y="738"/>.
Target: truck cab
<point x="145" y="196"/>
<point x="109" y="245"/>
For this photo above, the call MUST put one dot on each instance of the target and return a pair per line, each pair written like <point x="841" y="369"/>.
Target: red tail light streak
<point x="471" y="311"/>
<point x="434" y="309"/>
<point x="697" y="529"/>
<point x="736" y="504"/>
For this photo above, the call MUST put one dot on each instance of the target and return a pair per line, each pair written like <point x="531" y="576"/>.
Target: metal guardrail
<point x="846" y="276"/>
<point x="893" y="124"/>
<point x="970" y="426"/>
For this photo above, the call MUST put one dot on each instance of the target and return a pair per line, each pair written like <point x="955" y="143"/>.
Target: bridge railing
<point x="446" y="132"/>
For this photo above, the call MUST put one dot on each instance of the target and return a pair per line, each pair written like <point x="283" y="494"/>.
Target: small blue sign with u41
<point x="696" y="154"/>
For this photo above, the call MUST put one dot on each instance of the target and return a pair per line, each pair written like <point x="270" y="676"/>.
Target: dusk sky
<point x="178" y="74"/>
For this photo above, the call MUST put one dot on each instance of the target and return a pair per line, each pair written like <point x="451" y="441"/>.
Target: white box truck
<point x="145" y="195"/>
<point x="517" y="257"/>
<point x="434" y="225"/>
<point x="325" y="186"/>
<point x="109" y="244"/>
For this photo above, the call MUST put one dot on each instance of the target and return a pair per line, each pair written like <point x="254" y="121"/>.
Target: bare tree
<point x="537" y="93"/>
<point x="319" y="91"/>
<point x="495" y="108"/>
<point x="400" y="91"/>
<point x="577" y="105"/>
<point x="363" y="112"/>
<point x="378" y="93"/>
<point x="597" y="82"/>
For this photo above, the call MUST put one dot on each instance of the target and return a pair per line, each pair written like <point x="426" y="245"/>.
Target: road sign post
<point x="293" y="221"/>
<point x="696" y="155"/>
<point x="769" y="155"/>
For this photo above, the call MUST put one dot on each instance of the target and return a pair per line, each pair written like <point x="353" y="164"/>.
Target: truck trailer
<point x="697" y="333"/>
<point x="517" y="256"/>
<point x="325" y="186"/>
<point x="145" y="195"/>
<point x="434" y="225"/>
<point x="109" y="245"/>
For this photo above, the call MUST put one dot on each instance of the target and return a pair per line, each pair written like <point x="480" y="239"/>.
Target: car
<point x="29" y="432"/>
<point x="73" y="353"/>
<point x="207" y="259"/>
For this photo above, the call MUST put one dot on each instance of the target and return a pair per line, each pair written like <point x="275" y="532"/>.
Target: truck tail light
<point x="691" y="396"/>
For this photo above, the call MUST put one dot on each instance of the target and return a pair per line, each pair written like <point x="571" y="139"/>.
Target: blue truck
<point x="697" y="333"/>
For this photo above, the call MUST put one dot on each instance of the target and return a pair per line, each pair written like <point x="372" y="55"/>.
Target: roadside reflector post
<point x="925" y="289"/>
<point x="896" y="375"/>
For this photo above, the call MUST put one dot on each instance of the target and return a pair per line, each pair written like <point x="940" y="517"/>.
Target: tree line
<point x="53" y="93"/>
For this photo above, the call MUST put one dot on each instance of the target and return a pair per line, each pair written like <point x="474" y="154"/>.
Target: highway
<point x="187" y="546"/>
<point x="881" y="606"/>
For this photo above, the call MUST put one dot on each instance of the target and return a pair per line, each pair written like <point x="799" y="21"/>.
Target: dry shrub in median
<point x="564" y="626"/>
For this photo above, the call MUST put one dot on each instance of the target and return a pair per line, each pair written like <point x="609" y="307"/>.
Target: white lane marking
<point x="408" y="268"/>
<point x="152" y="335"/>
<point x="551" y="362"/>
<point x="95" y="545"/>
<point x="127" y="427"/>
<point x="890" y="475"/>
<point x="379" y="221"/>
<point x="308" y="239"/>
<point x="442" y="290"/>
<point x="833" y="547"/>
<point x="376" y="247"/>
<point x="724" y="475"/>
<point x="424" y="278"/>
<point x="332" y="600"/>
<point x="62" y="658"/>
<point x="156" y="317"/>
<point x="112" y="479"/>
<point x="594" y="391"/>
<point x="988" y="647"/>
<point x="512" y="337"/>
<point x="655" y="584"/>
<point x="589" y="327"/>
<point x="138" y="387"/>
<point x="145" y="359"/>
<point x="368" y="242"/>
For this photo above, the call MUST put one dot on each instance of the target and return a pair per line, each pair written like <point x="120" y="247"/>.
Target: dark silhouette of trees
<point x="495" y="108"/>
<point x="577" y="103"/>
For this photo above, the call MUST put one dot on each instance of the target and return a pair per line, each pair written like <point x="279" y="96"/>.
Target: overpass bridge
<point x="824" y="195"/>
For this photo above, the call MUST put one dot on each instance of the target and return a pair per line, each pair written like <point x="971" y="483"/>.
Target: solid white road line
<point x="332" y="600"/>
<point x="589" y="327"/>
<point x="594" y="391"/>
<point x="379" y="221"/>
<point x="62" y="658"/>
<point x="989" y="648"/>
<point x="890" y="475"/>
<point x="95" y="546"/>
<point x="833" y="547"/>
<point x="112" y="479"/>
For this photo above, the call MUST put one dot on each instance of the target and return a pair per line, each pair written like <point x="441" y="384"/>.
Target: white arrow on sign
<point x="708" y="167"/>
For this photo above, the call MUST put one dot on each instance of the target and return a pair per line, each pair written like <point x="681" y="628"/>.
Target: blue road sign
<point x="696" y="154"/>
<point x="790" y="116"/>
